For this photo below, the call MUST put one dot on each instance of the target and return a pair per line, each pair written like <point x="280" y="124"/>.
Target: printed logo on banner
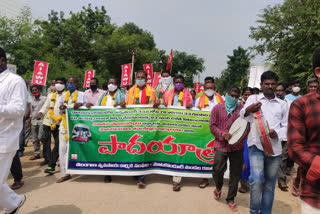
<point x="74" y="156"/>
<point x="40" y="73"/>
<point x="81" y="134"/>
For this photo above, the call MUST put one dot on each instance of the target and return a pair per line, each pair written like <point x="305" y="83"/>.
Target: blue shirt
<point x="291" y="97"/>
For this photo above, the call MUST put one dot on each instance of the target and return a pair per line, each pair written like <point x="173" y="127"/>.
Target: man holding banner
<point x="164" y="85"/>
<point x="221" y="119"/>
<point x="94" y="93"/>
<point x="141" y="94"/>
<point x="71" y="99"/>
<point x="208" y="100"/>
<point x="178" y="96"/>
<point x="113" y="97"/>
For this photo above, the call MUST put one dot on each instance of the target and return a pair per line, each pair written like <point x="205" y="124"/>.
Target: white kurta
<point x="13" y="97"/>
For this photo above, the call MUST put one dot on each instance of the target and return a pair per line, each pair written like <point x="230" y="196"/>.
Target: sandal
<point x="176" y="187"/>
<point x="295" y="191"/>
<point x="216" y="194"/>
<point x="233" y="206"/>
<point x="63" y="179"/>
<point x="204" y="183"/>
<point x="243" y="190"/>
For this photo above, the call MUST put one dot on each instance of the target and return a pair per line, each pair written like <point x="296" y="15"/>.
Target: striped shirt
<point x="220" y="123"/>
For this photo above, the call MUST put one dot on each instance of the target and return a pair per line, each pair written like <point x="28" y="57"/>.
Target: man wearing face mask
<point x="71" y="99"/>
<point x="50" y="127"/>
<point x="13" y="96"/>
<point x="36" y="125"/>
<point x="295" y="92"/>
<point x="142" y="94"/>
<point x="283" y="169"/>
<point x="94" y="93"/>
<point x="208" y="100"/>
<point x="178" y="96"/>
<point x="221" y="118"/>
<point x="164" y="85"/>
<point x="112" y="97"/>
<point x="263" y="167"/>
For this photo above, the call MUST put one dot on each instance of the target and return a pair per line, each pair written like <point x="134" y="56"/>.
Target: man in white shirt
<point x="51" y="127"/>
<point x="73" y="84"/>
<point x="13" y="95"/>
<point x="264" y="168"/>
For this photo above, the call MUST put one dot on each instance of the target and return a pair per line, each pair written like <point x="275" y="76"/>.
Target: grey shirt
<point x="36" y="105"/>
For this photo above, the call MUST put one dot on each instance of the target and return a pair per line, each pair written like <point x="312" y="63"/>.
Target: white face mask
<point x="209" y="92"/>
<point x="166" y="80"/>
<point x="112" y="87"/>
<point x="59" y="86"/>
<point x="296" y="89"/>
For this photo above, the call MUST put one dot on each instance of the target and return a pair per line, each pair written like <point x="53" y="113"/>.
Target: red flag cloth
<point x="156" y="80"/>
<point x="196" y="87"/>
<point x="125" y="77"/>
<point x="169" y="61"/>
<point x="201" y="88"/>
<point x="148" y="69"/>
<point x="88" y="76"/>
<point x="40" y="73"/>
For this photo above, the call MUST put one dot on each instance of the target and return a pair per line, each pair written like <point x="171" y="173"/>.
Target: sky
<point x="210" y="29"/>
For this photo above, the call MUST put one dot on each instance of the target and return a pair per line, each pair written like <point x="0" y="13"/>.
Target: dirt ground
<point x="89" y="194"/>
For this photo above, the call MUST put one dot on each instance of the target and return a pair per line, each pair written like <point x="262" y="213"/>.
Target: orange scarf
<point x="169" y="95"/>
<point x="148" y="90"/>
<point x="202" y="103"/>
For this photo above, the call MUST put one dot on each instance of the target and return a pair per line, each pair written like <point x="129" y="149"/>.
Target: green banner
<point x="140" y="140"/>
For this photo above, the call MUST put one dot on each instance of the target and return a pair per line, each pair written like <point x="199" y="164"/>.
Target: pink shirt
<point x="93" y="97"/>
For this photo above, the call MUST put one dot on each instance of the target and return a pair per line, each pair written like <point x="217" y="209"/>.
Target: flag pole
<point x="171" y="63"/>
<point x="133" y="52"/>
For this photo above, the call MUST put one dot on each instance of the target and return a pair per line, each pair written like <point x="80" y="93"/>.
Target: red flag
<point x="125" y="77"/>
<point x="40" y="73"/>
<point x="201" y="88"/>
<point x="196" y="87"/>
<point x="169" y="61"/>
<point x="88" y="76"/>
<point x="148" y="69"/>
<point x="156" y="80"/>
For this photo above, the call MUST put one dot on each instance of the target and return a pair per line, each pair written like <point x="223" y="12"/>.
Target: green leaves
<point x="236" y="72"/>
<point x="85" y="40"/>
<point x="289" y="33"/>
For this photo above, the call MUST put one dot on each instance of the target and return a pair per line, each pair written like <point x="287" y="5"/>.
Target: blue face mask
<point x="71" y="87"/>
<point x="231" y="103"/>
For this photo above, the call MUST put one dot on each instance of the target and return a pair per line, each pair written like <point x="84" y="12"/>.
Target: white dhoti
<point x="63" y="149"/>
<point x="9" y="200"/>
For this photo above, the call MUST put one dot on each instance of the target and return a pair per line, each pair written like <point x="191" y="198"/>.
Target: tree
<point x="237" y="71"/>
<point x="85" y="40"/>
<point x="187" y="65"/>
<point x="288" y="34"/>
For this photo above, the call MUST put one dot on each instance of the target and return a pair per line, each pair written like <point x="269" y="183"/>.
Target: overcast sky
<point x="211" y="29"/>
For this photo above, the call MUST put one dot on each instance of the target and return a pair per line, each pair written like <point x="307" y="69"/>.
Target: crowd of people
<point x="293" y="136"/>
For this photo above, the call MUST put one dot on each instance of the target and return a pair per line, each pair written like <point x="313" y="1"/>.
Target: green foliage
<point x="237" y="71"/>
<point x="86" y="40"/>
<point x="288" y="34"/>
